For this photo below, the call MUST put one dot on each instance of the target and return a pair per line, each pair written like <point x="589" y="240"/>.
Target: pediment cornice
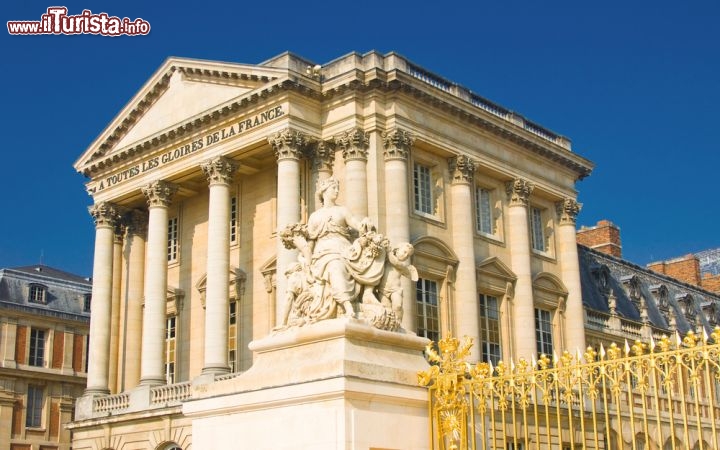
<point x="275" y="81"/>
<point x="250" y="76"/>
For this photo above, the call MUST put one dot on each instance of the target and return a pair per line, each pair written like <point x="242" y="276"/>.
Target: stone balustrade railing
<point x="111" y="403"/>
<point x="486" y="105"/>
<point x="170" y="394"/>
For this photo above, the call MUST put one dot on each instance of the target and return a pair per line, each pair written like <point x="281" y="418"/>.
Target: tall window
<point x="37" y="293"/>
<point x="537" y="232"/>
<point x="428" y="322"/>
<point x="232" y="336"/>
<point x="483" y="212"/>
<point x="233" y="220"/>
<point x="543" y="331"/>
<point x="490" y="329"/>
<point x="422" y="186"/>
<point x="172" y="239"/>
<point x="33" y="413"/>
<point x="37" y="348"/>
<point x="170" y="350"/>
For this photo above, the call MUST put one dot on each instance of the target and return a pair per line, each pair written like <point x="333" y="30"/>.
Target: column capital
<point x="567" y="210"/>
<point x="119" y="229"/>
<point x="322" y="154"/>
<point x="159" y="193"/>
<point x="288" y="144"/>
<point x="105" y="214"/>
<point x="137" y="222"/>
<point x="354" y="144"/>
<point x="462" y="169"/>
<point x="518" y="191"/>
<point x="397" y="144"/>
<point x="219" y="170"/>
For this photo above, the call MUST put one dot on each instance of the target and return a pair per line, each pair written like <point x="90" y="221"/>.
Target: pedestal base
<point x="338" y="384"/>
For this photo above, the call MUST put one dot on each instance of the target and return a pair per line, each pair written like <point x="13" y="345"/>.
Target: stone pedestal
<point x="337" y="384"/>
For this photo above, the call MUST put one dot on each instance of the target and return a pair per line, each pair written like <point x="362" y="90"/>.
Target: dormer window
<point x="660" y="292"/>
<point x="38" y="294"/>
<point x="87" y="299"/>
<point x="687" y="306"/>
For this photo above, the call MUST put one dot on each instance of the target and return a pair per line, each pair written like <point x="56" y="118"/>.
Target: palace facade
<point x="195" y="178"/>
<point x="44" y="321"/>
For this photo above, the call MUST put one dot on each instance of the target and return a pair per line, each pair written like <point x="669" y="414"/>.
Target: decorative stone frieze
<point x="159" y="193"/>
<point x="219" y="170"/>
<point x="137" y="222"/>
<point x="462" y="169"/>
<point x="567" y="210"/>
<point x="518" y="191"/>
<point x="322" y="155"/>
<point x="288" y="144"/>
<point x="354" y="144"/>
<point x="397" y="144"/>
<point x="105" y="214"/>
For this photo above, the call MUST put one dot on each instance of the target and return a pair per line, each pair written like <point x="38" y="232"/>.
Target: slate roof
<point x="634" y="285"/>
<point x="65" y="292"/>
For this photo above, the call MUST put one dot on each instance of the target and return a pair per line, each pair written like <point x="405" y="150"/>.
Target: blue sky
<point x="634" y="85"/>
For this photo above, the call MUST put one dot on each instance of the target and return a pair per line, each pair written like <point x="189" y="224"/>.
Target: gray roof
<point x="64" y="292"/>
<point x="633" y="285"/>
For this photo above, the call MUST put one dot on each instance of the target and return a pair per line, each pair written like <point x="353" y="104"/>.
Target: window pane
<point x="543" y="331"/>
<point x="422" y="185"/>
<point x="428" y="323"/>
<point x="172" y="239"/>
<point x="37" y="348"/>
<point x="33" y="415"/>
<point x="490" y="329"/>
<point x="537" y="233"/>
<point x="482" y="209"/>
<point x="233" y="219"/>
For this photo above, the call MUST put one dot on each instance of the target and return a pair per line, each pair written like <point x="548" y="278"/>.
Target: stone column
<point x="134" y="292"/>
<point x="323" y="157"/>
<point x="568" y="210"/>
<point x="462" y="169"/>
<point x="354" y="145"/>
<point x="519" y="191"/>
<point x="115" y="308"/>
<point x="397" y="144"/>
<point x="105" y="215"/>
<point x="219" y="172"/>
<point x="159" y="195"/>
<point x="288" y="145"/>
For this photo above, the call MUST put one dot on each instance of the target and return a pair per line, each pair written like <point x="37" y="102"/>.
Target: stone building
<point x="44" y="318"/>
<point x="197" y="177"/>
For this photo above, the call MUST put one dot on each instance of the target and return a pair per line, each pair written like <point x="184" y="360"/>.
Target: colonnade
<point x="146" y="239"/>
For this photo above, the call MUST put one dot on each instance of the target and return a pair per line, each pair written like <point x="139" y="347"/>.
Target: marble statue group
<point x="345" y="268"/>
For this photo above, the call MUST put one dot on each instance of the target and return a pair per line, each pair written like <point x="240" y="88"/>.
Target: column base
<point x="152" y="381"/>
<point x="215" y="370"/>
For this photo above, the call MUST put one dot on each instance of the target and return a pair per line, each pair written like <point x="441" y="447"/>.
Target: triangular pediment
<point x="494" y="267"/>
<point x="180" y="90"/>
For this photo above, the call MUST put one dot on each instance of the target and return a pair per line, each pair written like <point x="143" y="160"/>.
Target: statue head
<point x="324" y="185"/>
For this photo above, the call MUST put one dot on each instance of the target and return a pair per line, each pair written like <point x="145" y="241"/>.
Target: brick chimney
<point x="711" y="282"/>
<point x="685" y="269"/>
<point x="603" y="237"/>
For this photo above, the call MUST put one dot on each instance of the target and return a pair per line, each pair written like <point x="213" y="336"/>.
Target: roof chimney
<point x="603" y="237"/>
